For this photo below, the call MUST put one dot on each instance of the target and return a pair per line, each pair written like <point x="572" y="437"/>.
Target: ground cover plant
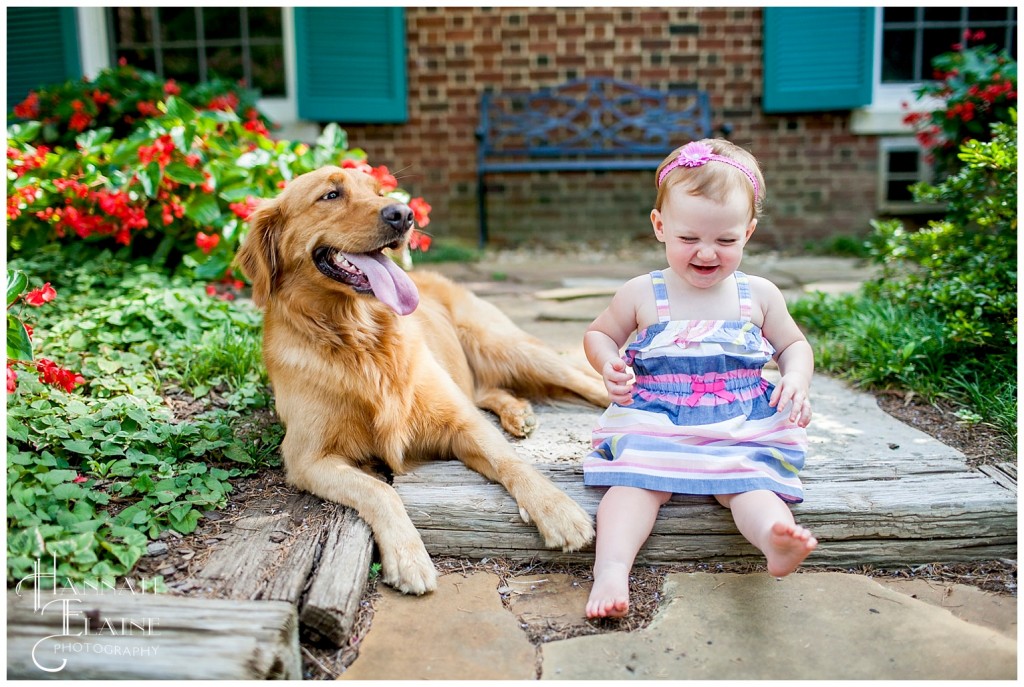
<point x="941" y="320"/>
<point x="135" y="387"/>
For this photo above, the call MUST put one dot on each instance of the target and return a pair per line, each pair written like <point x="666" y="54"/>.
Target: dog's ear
<point x="257" y="256"/>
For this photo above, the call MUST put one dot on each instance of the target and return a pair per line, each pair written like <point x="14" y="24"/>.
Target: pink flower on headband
<point x="695" y="154"/>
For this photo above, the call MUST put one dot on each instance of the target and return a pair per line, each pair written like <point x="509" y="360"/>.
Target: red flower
<point x="12" y="379"/>
<point x="28" y="108"/>
<point x="211" y="290"/>
<point x="243" y="210"/>
<point x="386" y="179"/>
<point x="421" y="210"/>
<point x="172" y="88"/>
<point x="207" y="242"/>
<point x="79" y="121"/>
<point x="44" y="294"/>
<point x="418" y="241"/>
<point x="225" y="102"/>
<point x="79" y="479"/>
<point x="160" y="151"/>
<point x="148" y="109"/>
<point x="351" y="163"/>
<point x="55" y="375"/>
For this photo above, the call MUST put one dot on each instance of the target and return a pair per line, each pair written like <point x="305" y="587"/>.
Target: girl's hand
<point x="792" y="390"/>
<point x="618" y="379"/>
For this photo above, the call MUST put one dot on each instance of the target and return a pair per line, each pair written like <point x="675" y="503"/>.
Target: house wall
<point x="820" y="176"/>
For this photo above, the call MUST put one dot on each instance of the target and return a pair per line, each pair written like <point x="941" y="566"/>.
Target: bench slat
<point x="583" y="125"/>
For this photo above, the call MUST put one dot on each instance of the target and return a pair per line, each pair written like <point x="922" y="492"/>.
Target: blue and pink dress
<point x="700" y="422"/>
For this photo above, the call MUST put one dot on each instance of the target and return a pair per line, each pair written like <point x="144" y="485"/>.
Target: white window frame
<point x="885" y="113"/>
<point x="94" y="40"/>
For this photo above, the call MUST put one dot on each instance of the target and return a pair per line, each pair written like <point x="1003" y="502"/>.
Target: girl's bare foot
<point x="788" y="546"/>
<point x="609" y="597"/>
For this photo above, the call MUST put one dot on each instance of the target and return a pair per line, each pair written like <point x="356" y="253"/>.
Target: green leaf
<point x="79" y="446"/>
<point x="203" y="209"/>
<point x="93" y="138"/>
<point x="176" y="107"/>
<point x="150" y="179"/>
<point x="238" y="454"/>
<point x="17" y="282"/>
<point x="214" y="267"/>
<point x="25" y="132"/>
<point x="183" y="174"/>
<point x="255" y="158"/>
<point x="67" y="491"/>
<point x="187" y="524"/>
<point x="333" y="138"/>
<point x="19" y="345"/>
<point x="52" y="478"/>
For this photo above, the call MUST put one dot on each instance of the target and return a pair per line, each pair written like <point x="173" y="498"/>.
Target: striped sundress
<point x="700" y="422"/>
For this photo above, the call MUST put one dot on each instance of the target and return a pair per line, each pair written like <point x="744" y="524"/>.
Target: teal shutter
<point x="818" y="58"/>
<point x="351" y="64"/>
<point x="42" y="49"/>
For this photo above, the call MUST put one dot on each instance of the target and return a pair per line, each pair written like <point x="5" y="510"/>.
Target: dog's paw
<point x="564" y="524"/>
<point x="519" y="420"/>
<point x="409" y="570"/>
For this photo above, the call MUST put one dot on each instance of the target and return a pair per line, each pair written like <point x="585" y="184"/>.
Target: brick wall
<point x="820" y="177"/>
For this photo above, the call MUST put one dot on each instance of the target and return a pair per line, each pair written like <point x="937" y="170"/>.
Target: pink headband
<point x="697" y="154"/>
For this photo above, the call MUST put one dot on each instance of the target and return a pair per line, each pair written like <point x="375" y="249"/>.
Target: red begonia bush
<point x="177" y="188"/>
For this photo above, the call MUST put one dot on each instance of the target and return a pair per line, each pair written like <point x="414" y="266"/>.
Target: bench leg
<point x="481" y="202"/>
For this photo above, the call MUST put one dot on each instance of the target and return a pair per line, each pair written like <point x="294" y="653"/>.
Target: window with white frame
<point x="901" y="164"/>
<point x="196" y="44"/>
<point x="912" y="36"/>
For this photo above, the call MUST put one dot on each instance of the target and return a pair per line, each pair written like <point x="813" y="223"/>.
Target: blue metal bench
<point x="584" y="125"/>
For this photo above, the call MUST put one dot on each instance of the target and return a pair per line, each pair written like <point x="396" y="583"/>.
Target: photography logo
<point x="84" y="630"/>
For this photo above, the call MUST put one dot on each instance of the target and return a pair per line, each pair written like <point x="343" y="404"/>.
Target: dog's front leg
<point x="561" y="521"/>
<point x="405" y="563"/>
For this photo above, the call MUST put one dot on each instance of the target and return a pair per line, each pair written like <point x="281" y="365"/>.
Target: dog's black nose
<point x="398" y="216"/>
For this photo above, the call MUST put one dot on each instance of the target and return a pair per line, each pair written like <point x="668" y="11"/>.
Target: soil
<point x="981" y="444"/>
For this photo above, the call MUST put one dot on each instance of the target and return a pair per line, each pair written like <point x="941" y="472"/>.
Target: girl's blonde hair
<point x="713" y="179"/>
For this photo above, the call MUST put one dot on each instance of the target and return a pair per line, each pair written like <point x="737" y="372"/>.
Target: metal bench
<point x="584" y="125"/>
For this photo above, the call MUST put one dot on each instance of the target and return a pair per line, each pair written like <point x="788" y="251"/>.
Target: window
<point x="912" y="36"/>
<point x="196" y="44"/>
<point x="901" y="163"/>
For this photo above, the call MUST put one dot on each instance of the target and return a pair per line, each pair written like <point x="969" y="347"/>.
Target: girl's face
<point x="703" y="239"/>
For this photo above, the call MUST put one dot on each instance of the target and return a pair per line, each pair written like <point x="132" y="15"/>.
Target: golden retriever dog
<point x="374" y="369"/>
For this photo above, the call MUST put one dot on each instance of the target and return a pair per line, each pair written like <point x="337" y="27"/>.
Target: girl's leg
<point x="624" y="520"/>
<point x="767" y="523"/>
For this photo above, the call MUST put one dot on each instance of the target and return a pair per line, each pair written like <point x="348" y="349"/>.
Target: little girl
<point x="691" y="413"/>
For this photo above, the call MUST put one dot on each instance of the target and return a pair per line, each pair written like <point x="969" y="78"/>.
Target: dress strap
<point x="661" y="296"/>
<point x="746" y="301"/>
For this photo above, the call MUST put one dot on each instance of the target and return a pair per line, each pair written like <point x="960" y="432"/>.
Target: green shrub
<point x="963" y="269"/>
<point x="941" y="320"/>
<point x="122" y="98"/>
<point x="176" y="187"/>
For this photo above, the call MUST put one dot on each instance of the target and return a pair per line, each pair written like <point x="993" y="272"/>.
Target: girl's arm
<point x="792" y="352"/>
<point x="607" y="334"/>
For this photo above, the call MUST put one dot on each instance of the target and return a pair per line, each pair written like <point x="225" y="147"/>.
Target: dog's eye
<point x="330" y="195"/>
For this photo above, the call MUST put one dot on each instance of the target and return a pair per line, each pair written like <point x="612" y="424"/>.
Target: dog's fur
<point x="358" y="385"/>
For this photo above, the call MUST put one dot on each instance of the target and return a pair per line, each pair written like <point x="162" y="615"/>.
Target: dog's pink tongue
<point x="390" y="284"/>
